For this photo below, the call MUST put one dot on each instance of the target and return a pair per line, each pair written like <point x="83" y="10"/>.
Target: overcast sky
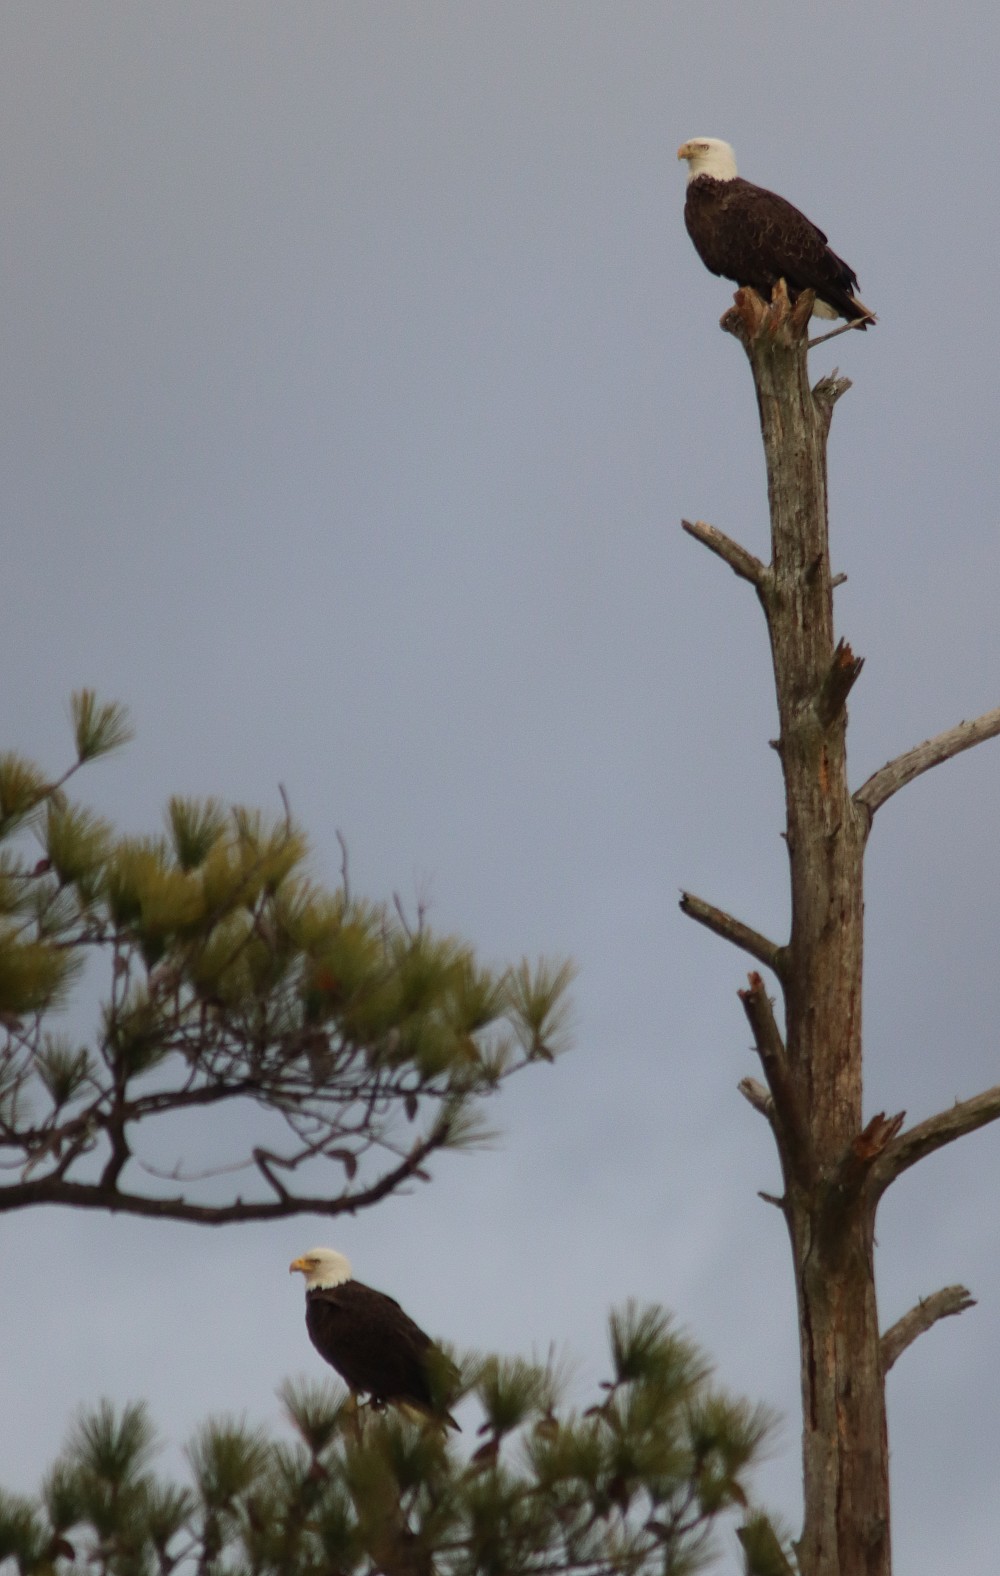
<point x="357" y="372"/>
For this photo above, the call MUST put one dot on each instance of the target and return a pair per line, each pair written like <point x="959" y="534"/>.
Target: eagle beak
<point x="684" y="151"/>
<point x="297" y="1264"/>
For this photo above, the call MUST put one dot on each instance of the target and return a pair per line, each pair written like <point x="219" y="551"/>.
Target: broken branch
<point x="872" y="1141"/>
<point x="784" y="1115"/>
<point x="837" y="685"/>
<point x="757" y="1095"/>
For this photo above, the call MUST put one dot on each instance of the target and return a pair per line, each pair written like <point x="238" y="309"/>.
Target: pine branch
<point x="942" y="1305"/>
<point x="730" y="929"/>
<point x="99" y="1194"/>
<point x="897" y="773"/>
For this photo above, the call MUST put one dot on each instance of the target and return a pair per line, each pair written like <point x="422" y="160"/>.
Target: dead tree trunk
<point x="834" y="1167"/>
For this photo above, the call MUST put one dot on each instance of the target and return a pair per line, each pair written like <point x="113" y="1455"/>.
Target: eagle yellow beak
<point x="684" y="151"/>
<point x="298" y="1264"/>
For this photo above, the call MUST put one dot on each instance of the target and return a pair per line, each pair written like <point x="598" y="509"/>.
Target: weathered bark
<point x="835" y="1169"/>
<point x="814" y="1071"/>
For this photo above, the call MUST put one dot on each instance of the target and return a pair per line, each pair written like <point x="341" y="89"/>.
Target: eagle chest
<point x="370" y="1342"/>
<point x="710" y="226"/>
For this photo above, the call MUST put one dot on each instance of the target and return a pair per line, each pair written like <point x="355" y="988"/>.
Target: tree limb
<point x="785" y="1116"/>
<point x="95" y="1195"/>
<point x="949" y="1300"/>
<point x="925" y="1137"/>
<point x="740" y="561"/>
<point x="730" y="929"/>
<point x="881" y="785"/>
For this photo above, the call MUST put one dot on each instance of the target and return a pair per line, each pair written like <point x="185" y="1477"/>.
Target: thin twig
<point x="845" y="328"/>
<point x="881" y="785"/>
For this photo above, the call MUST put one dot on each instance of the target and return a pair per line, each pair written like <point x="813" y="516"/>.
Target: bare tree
<point x="319" y="1048"/>
<point x="835" y="1165"/>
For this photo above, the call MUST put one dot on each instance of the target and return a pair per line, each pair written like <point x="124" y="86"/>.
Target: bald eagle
<point x="754" y="237"/>
<point x="375" y="1347"/>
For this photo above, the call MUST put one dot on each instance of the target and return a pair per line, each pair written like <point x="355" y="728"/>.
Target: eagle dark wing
<point x="754" y="237"/>
<point x="375" y="1347"/>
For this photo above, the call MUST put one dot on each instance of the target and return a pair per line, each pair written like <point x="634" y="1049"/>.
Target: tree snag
<point x="835" y="1167"/>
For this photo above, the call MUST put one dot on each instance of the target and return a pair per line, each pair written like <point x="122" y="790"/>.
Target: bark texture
<point x="835" y="1166"/>
<point x="814" y="1068"/>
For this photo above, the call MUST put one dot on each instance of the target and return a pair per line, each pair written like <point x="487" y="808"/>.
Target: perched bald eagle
<point x="754" y="237"/>
<point x="375" y="1347"/>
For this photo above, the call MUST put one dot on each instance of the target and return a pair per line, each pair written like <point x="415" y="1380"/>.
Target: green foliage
<point x="98" y="730"/>
<point x="196" y="827"/>
<point x="230" y="977"/>
<point x="33" y="975"/>
<point x="541" y="997"/>
<point x="22" y="1532"/>
<point x="642" y="1348"/>
<point x="637" y="1484"/>
<point x="76" y="843"/>
<point x="22" y="790"/>
<point x="226" y="1461"/>
<point x="511" y="1390"/>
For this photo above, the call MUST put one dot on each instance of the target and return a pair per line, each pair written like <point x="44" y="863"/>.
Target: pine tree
<point x="230" y="979"/>
<point x="639" y="1483"/>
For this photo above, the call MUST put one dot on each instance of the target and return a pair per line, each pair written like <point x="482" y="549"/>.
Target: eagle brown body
<point x="754" y="237"/>
<point x="375" y="1346"/>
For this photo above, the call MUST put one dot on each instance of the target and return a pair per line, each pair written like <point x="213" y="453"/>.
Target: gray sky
<point x="357" y="373"/>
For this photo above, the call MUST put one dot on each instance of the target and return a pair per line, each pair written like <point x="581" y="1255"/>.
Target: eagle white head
<point x="708" y="156"/>
<point x="322" y="1268"/>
